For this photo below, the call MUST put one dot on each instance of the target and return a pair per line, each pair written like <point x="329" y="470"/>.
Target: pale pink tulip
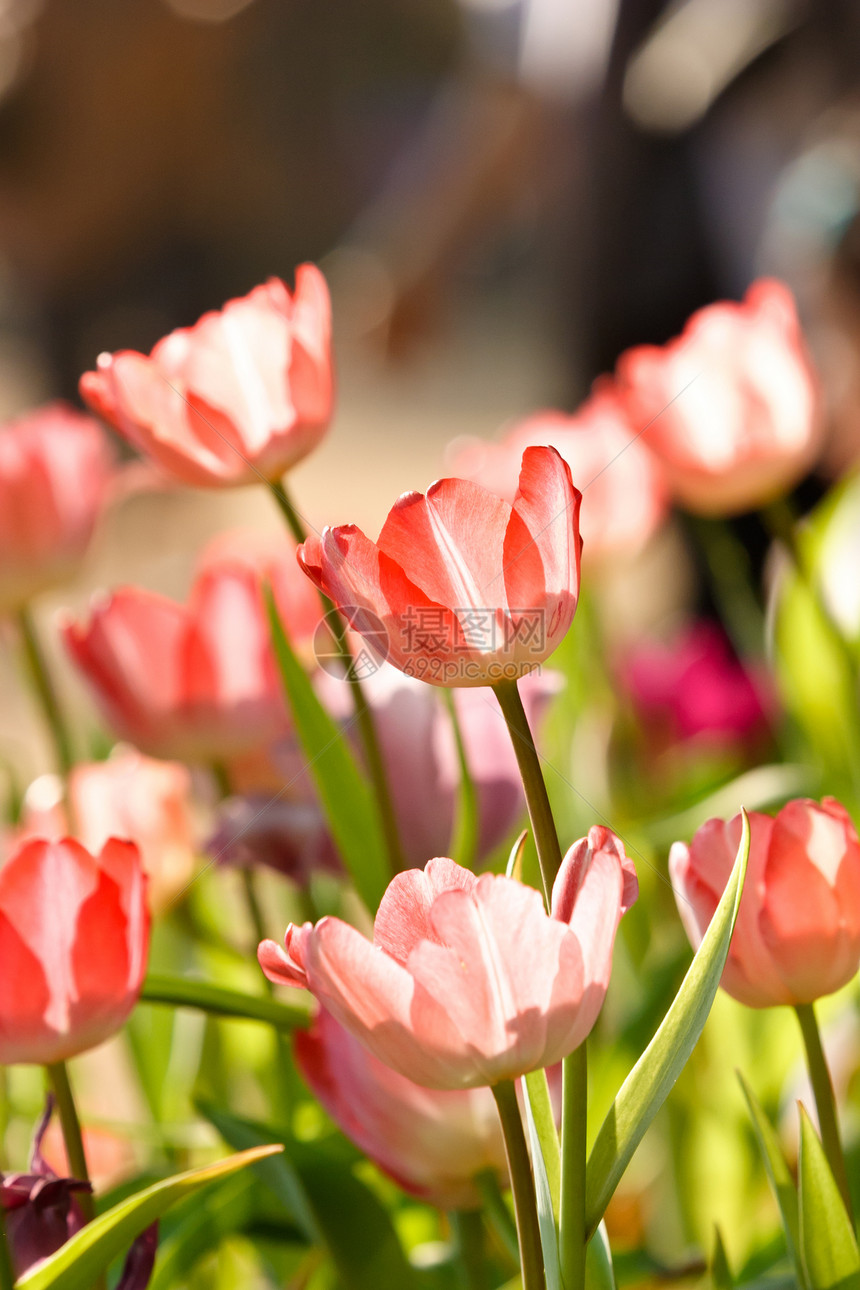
<point x="731" y="407"/>
<point x="242" y="395"/>
<point x="624" y="497"/>
<point x="468" y="980"/>
<point x="56" y="466"/>
<point x="798" y="930"/>
<point x="431" y="1141"/>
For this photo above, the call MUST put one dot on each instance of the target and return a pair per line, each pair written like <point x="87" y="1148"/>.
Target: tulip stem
<point x="468" y="1228"/>
<point x="822" y="1087"/>
<point x="540" y="812"/>
<point x="574" y="1101"/>
<point x="44" y="687"/>
<point x="364" y="716"/>
<point x="522" y="1185"/>
<point x="464" y="834"/>
<point x="58" y="1078"/>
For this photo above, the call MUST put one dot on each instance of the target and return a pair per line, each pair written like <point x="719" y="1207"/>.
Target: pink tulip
<point x="74" y="933"/>
<point x="432" y="1142"/>
<point x="196" y="682"/>
<point x="623" y="493"/>
<point x="798" y="931"/>
<point x="242" y="395"/>
<point x="55" y="468"/>
<point x="468" y="980"/>
<point x="695" y="688"/>
<point x="462" y="587"/>
<point x="730" y="408"/>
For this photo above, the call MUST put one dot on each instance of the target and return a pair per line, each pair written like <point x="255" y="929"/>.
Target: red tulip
<point x="74" y="932"/>
<point x="195" y="682"/>
<point x="245" y="393"/>
<point x="730" y="408"/>
<point x="798" y="930"/>
<point x="431" y="1141"/>
<point x="468" y="980"/>
<point x="623" y="493"/>
<point x="462" y="588"/>
<point x="55" y="468"/>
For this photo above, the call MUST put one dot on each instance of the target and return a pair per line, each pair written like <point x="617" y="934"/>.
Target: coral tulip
<point x="55" y="468"/>
<point x="242" y="395"/>
<point x="730" y="408"/>
<point x="433" y="1142"/>
<point x="74" y="934"/>
<point x="468" y="980"/>
<point x="463" y="587"/>
<point x="798" y="930"/>
<point x="196" y="682"/>
<point x="623" y="492"/>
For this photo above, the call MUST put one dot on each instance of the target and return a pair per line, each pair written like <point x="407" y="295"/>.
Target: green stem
<point x="825" y="1101"/>
<point x="364" y="716"/>
<point x="7" y="1275"/>
<point x="44" y="688"/>
<point x="540" y="812"/>
<point x="497" y="1211"/>
<point x="574" y="1095"/>
<point x="468" y="1228"/>
<point x="464" y="834"/>
<point x="522" y="1185"/>
<point x="58" y="1078"/>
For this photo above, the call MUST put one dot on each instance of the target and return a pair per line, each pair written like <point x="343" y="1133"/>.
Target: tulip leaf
<point x="827" y="1242"/>
<point x="540" y="1109"/>
<point x="335" y="1208"/>
<point x="599" y="1272"/>
<point x="343" y="790"/>
<point x="84" y="1258"/>
<point x="779" y="1177"/>
<point x="547" y="1204"/>
<point x="649" y="1083"/>
<point x="721" y="1273"/>
<point x="204" y="996"/>
<point x="514" y="868"/>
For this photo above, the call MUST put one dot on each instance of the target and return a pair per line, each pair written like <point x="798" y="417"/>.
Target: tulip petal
<point x="403" y="917"/>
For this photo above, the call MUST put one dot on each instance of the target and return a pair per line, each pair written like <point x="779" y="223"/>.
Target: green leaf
<point x="779" y="1177"/>
<point x="185" y="992"/>
<point x="648" y="1084"/>
<point x="514" y="867"/>
<point x="547" y="1203"/>
<point x="599" y="1272"/>
<point x="84" y="1258"/>
<point x="345" y="795"/>
<point x="827" y="1241"/>
<point x="336" y="1209"/>
<point x="721" y="1273"/>
<point x="540" y="1108"/>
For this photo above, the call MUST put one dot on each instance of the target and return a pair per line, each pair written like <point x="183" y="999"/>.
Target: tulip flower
<point x="623" y="492"/>
<point x="195" y="682"/>
<point x="798" y="930"/>
<point x="242" y="395"/>
<point x="74" y="934"/>
<point x="462" y="587"/>
<point x="730" y="408"/>
<point x="433" y="1142"/>
<point x="126" y="796"/>
<point x="695" y="688"/>
<point x="468" y="980"/>
<point x="55" y="468"/>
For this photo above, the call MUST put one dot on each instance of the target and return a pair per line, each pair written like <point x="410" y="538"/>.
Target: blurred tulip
<point x="431" y="1141"/>
<point x="74" y="934"/>
<point x="730" y="408"/>
<point x="695" y="688"/>
<point x="196" y="682"/>
<point x="468" y="980"/>
<point x="55" y="468"/>
<point x="289" y="835"/>
<point x="461" y="587"/>
<point x="623" y="493"/>
<point x="798" y="930"/>
<point x="242" y="395"/>
<point x="128" y="796"/>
